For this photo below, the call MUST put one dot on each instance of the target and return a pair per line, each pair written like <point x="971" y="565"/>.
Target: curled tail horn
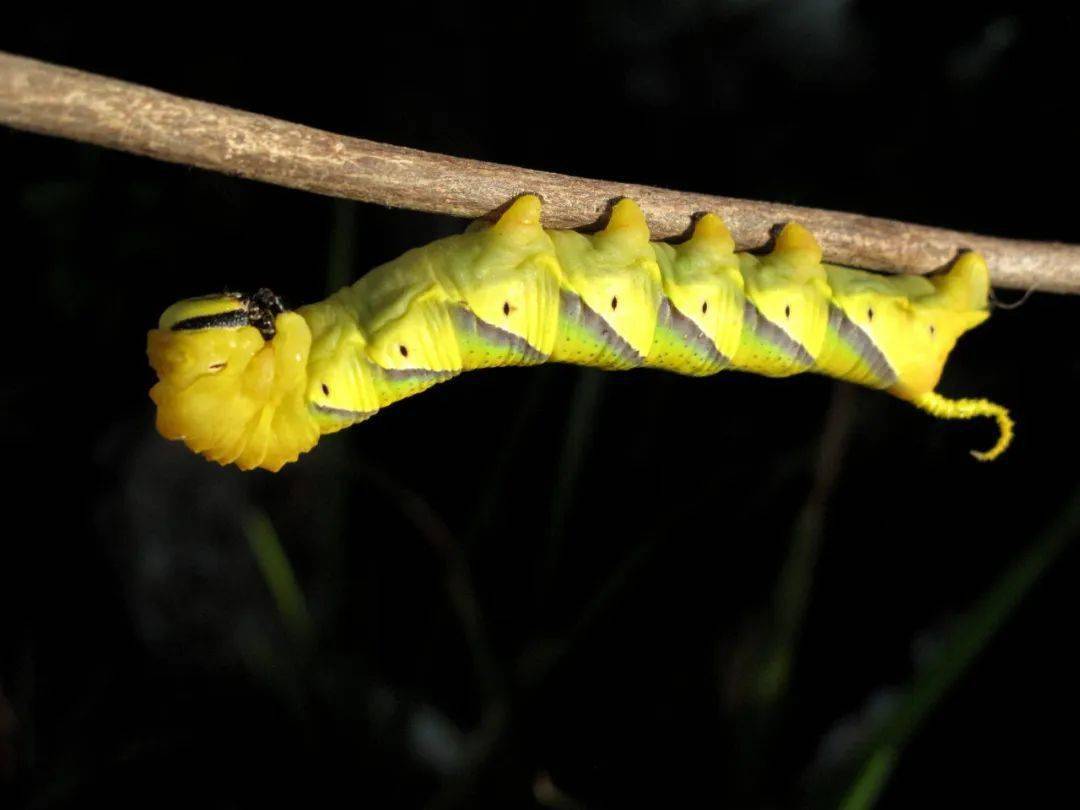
<point x="943" y="408"/>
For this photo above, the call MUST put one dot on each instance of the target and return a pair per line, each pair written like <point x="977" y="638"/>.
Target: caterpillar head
<point x="232" y="379"/>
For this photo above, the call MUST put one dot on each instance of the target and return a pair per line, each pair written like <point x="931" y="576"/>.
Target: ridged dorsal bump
<point x="799" y="249"/>
<point x="521" y="221"/>
<point x="711" y="236"/>
<point x="794" y="240"/>
<point x="964" y="288"/>
<point x="627" y="224"/>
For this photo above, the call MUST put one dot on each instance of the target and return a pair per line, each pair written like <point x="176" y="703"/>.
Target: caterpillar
<point x="243" y="380"/>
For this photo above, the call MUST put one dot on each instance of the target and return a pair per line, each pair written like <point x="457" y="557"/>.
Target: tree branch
<point x="53" y="100"/>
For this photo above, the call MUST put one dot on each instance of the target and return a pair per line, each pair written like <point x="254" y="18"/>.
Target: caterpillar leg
<point x="943" y="408"/>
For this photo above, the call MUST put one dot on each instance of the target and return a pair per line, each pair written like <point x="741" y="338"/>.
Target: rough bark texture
<point x="54" y="100"/>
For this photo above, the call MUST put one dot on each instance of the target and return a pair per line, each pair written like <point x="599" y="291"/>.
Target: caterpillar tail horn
<point x="944" y="408"/>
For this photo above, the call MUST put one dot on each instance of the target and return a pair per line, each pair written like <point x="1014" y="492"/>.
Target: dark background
<point x="540" y="586"/>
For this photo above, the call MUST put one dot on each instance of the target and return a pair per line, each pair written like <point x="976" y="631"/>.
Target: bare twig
<point x="54" y="100"/>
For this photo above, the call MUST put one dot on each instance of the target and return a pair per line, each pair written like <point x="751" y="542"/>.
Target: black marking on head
<point x="932" y="330"/>
<point x="233" y="319"/>
<point x="787" y="311"/>
<point x="506" y="308"/>
<point x="404" y="351"/>
<point x="704" y="307"/>
<point x="614" y="302"/>
<point x="225" y="294"/>
<point x="326" y="389"/>
<point x="262" y="308"/>
<point x="258" y="310"/>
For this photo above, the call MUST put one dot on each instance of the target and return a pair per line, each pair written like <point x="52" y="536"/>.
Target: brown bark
<point x="53" y="100"/>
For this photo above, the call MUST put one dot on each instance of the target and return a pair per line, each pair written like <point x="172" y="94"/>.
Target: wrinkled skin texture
<point x="233" y="396"/>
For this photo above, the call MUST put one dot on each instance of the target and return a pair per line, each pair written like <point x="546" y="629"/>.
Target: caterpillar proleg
<point x="244" y="381"/>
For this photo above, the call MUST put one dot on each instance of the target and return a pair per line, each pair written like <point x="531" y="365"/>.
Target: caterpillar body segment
<point x="244" y="381"/>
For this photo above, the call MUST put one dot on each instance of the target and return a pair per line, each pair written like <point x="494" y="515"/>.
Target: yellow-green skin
<point x="513" y="293"/>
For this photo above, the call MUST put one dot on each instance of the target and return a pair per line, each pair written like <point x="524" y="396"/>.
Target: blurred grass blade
<point x="278" y="574"/>
<point x="871" y="780"/>
<point x="795" y="581"/>
<point x="971" y="635"/>
<point x="491" y="495"/>
<point x="580" y="421"/>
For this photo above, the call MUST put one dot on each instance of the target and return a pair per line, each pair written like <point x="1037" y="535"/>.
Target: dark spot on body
<point x="614" y="301"/>
<point x="218" y="366"/>
<point x="704" y="307"/>
<point x="787" y="311"/>
<point x="506" y="308"/>
<point x="870" y="314"/>
<point x="404" y="351"/>
<point x="931" y="330"/>
<point x="326" y="389"/>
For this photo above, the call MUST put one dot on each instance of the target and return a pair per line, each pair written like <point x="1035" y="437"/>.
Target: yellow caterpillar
<point x="246" y="382"/>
